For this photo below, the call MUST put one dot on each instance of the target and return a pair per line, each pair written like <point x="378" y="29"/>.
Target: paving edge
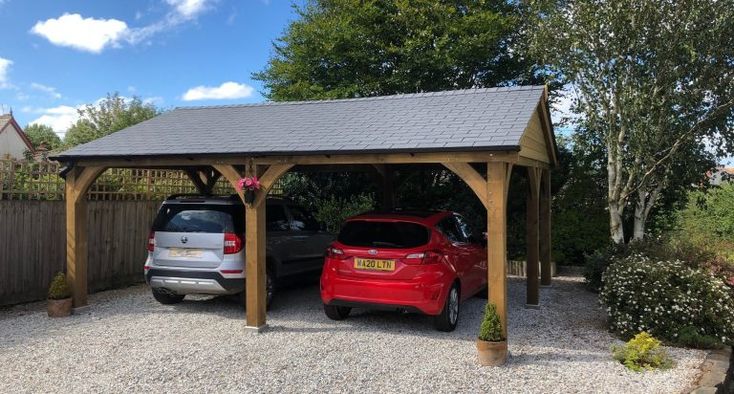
<point x="717" y="375"/>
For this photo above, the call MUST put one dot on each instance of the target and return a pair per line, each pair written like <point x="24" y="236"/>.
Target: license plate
<point x="374" y="264"/>
<point x="180" y="252"/>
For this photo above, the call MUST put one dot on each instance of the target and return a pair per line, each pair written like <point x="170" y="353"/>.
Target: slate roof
<point x="475" y="119"/>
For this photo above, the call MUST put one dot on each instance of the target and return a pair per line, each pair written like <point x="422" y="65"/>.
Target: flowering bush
<point x="249" y="183"/>
<point x="643" y="352"/>
<point x="666" y="298"/>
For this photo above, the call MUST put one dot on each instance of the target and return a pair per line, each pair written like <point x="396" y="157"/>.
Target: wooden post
<point x="498" y="175"/>
<point x="385" y="179"/>
<point x="255" y="269"/>
<point x="78" y="180"/>
<point x="531" y="232"/>
<point x="255" y="262"/>
<point x="545" y="228"/>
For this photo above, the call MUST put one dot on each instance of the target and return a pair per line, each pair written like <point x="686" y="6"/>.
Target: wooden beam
<point x="268" y="179"/>
<point x="195" y="177"/>
<point x="497" y="187"/>
<point x="544" y="221"/>
<point x="473" y="179"/>
<point x="78" y="180"/>
<point x="232" y="175"/>
<point x="531" y="232"/>
<point x="310" y="159"/>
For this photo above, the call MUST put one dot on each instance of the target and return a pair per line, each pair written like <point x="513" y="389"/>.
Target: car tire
<point x="270" y="287"/>
<point x="334" y="312"/>
<point x="165" y="297"/>
<point x="449" y="317"/>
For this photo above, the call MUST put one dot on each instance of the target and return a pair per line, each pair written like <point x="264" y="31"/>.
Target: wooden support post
<point x="498" y="175"/>
<point x="78" y="180"/>
<point x="545" y="229"/>
<point x="385" y="179"/>
<point x="255" y="260"/>
<point x="531" y="230"/>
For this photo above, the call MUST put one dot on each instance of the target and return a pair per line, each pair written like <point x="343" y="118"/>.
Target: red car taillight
<point x="232" y="243"/>
<point x="429" y="257"/>
<point x="151" y="241"/>
<point x="335" y="253"/>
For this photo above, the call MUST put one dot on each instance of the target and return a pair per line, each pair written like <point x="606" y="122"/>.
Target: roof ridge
<point x="374" y="98"/>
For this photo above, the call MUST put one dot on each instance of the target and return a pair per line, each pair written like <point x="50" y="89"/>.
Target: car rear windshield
<point x="384" y="234"/>
<point x="200" y="218"/>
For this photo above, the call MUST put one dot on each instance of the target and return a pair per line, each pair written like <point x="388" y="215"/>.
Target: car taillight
<point x="429" y="257"/>
<point x="232" y="243"/>
<point x="151" y="241"/>
<point x="335" y="253"/>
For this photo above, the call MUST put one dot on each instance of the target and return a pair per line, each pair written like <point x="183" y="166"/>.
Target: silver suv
<point x="196" y="246"/>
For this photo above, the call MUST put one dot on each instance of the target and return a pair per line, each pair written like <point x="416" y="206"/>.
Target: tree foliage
<point x="357" y="48"/>
<point x="708" y="220"/>
<point x="42" y="134"/>
<point x="653" y="81"/>
<point x="111" y="114"/>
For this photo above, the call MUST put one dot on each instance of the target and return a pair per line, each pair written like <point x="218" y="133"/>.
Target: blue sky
<point x="57" y="55"/>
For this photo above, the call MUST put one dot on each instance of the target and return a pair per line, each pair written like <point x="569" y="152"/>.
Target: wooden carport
<point x="478" y="134"/>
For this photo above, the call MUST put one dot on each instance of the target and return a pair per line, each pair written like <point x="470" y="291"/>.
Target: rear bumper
<point x="193" y="282"/>
<point x="425" y="296"/>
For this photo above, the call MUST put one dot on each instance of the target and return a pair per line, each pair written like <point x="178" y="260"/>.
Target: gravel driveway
<point x="127" y="342"/>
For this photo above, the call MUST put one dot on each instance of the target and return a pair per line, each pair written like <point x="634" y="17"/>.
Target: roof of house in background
<point x="476" y="119"/>
<point x="7" y="122"/>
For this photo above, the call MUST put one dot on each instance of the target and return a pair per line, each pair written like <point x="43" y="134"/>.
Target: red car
<point x="425" y="262"/>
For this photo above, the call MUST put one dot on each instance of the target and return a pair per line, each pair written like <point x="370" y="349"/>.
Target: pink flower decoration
<point x="249" y="183"/>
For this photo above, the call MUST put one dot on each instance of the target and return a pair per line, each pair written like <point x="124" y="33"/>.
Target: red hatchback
<point x="425" y="262"/>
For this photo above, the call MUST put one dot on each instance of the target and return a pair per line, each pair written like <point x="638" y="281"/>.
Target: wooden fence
<point x="33" y="245"/>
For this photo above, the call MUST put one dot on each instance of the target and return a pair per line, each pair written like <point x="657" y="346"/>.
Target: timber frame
<point x="486" y="172"/>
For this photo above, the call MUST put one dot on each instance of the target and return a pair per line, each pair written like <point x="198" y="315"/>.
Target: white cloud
<point x="188" y="8"/>
<point x="4" y="68"/>
<point x="59" y="118"/>
<point x="95" y="35"/>
<point x="86" y="34"/>
<point x="227" y="90"/>
<point x="50" y="90"/>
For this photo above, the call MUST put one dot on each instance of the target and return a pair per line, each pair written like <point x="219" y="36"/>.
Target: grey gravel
<point x="126" y="341"/>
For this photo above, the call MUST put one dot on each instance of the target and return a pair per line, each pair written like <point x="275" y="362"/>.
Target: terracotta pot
<point x="59" y="308"/>
<point x="492" y="353"/>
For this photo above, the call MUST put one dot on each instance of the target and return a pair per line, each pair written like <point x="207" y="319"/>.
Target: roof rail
<point x="182" y="196"/>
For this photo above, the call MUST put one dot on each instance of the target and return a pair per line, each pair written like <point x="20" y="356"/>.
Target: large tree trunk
<point x="616" y="230"/>
<point x="645" y="202"/>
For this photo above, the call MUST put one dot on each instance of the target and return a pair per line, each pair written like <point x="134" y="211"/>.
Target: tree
<point x="111" y="114"/>
<point x="42" y="134"/>
<point x="358" y="48"/>
<point x="653" y="81"/>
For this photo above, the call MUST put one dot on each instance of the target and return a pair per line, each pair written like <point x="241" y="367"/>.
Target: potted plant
<point x="249" y="185"/>
<point x="59" y="297"/>
<point x="491" y="344"/>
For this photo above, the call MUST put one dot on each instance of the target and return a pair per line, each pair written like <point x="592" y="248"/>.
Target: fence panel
<point x="33" y="245"/>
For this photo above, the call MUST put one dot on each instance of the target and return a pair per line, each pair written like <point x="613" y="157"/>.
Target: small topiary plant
<point x="59" y="289"/>
<point x="491" y="328"/>
<point x="641" y="353"/>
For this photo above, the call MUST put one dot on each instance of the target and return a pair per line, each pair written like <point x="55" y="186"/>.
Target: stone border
<point x="717" y="376"/>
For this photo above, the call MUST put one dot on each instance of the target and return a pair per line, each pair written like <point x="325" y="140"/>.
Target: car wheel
<point x="269" y="292"/>
<point x="449" y="316"/>
<point x="337" y="312"/>
<point x="166" y="297"/>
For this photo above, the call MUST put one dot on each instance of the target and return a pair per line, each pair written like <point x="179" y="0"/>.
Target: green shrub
<point x="664" y="297"/>
<point x="332" y="211"/>
<point x="643" y="352"/>
<point x="59" y="289"/>
<point x="690" y="337"/>
<point x="491" y="327"/>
